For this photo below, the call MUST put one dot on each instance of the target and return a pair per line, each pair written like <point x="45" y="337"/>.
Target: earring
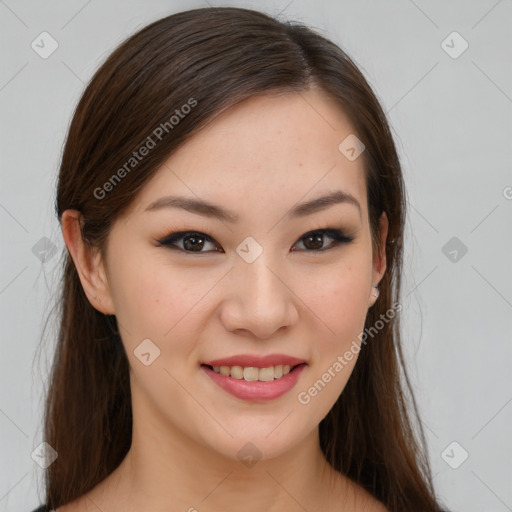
<point x="376" y="292"/>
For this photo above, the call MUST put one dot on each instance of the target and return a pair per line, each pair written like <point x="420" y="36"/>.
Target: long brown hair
<point x="214" y="58"/>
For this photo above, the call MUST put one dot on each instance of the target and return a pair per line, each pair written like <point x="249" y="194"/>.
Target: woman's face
<point x="246" y="287"/>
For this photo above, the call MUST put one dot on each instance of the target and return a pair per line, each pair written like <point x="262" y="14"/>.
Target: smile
<point x="252" y="373"/>
<point x="253" y="383"/>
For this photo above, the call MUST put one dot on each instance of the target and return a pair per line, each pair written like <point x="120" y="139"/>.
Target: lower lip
<point x="255" y="390"/>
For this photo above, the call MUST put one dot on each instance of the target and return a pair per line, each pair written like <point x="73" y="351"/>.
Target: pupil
<point x="191" y="242"/>
<point x="318" y="239"/>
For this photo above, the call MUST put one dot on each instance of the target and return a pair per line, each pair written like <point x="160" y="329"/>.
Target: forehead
<point x="264" y="155"/>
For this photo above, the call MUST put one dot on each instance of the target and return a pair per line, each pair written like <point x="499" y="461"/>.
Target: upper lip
<point x="246" y="360"/>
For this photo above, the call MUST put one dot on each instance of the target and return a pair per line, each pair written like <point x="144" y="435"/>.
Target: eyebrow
<point x="207" y="209"/>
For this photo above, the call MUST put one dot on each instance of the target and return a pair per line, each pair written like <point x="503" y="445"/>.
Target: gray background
<point x="453" y="126"/>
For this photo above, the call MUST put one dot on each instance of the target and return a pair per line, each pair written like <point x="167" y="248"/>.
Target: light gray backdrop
<point x="443" y="71"/>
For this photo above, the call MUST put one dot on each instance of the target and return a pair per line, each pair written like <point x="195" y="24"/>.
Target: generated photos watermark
<point x="150" y="143"/>
<point x="304" y="397"/>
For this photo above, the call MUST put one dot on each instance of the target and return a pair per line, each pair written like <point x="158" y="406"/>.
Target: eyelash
<point x="338" y="236"/>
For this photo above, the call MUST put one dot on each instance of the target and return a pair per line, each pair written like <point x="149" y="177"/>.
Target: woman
<point x="233" y="208"/>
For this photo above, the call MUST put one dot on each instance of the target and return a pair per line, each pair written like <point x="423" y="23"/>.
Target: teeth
<point x="236" y="372"/>
<point x="252" y="373"/>
<point x="265" y="374"/>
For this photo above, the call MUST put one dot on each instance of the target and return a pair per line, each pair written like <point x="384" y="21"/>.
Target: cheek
<point x="338" y="297"/>
<point x="340" y="302"/>
<point x="160" y="304"/>
<point x="151" y="301"/>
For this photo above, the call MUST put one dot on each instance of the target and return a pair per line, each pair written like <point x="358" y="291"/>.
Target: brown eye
<point x="192" y="241"/>
<point x="314" y="240"/>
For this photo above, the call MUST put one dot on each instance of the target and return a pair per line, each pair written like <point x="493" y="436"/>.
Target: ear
<point x="379" y="258"/>
<point x="88" y="262"/>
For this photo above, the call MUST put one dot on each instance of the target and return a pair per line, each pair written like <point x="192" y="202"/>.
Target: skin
<point x="186" y="430"/>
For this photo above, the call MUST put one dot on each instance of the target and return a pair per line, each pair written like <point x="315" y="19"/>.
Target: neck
<point x="166" y="470"/>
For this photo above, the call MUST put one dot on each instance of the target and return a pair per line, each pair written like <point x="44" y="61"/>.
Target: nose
<point x="258" y="301"/>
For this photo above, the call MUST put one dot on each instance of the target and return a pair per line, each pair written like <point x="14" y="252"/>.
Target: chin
<point x="257" y="439"/>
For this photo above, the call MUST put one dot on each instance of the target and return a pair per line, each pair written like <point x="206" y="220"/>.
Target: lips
<point x="246" y="360"/>
<point x="253" y="377"/>
<point x="255" y="390"/>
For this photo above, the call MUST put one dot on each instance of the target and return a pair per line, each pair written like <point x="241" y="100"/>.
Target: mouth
<point x="251" y="383"/>
<point x="254" y="373"/>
